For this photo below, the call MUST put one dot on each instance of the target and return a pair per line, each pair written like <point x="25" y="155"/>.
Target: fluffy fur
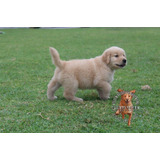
<point x="95" y="73"/>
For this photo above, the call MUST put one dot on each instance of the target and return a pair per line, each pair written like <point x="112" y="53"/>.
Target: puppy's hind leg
<point x="52" y="87"/>
<point x="70" y="91"/>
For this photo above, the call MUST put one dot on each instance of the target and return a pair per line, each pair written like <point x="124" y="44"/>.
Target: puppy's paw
<point x="117" y="112"/>
<point x="79" y="100"/>
<point x="52" y="98"/>
<point x="104" y="98"/>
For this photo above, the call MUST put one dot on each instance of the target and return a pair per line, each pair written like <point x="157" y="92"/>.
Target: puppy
<point x="95" y="73"/>
<point x="126" y="106"/>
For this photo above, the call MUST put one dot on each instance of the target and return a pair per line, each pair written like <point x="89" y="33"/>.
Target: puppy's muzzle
<point x="124" y="61"/>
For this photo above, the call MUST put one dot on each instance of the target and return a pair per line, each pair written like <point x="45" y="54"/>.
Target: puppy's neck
<point x="110" y="67"/>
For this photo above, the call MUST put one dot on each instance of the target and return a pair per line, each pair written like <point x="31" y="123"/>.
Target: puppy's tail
<point x="55" y="57"/>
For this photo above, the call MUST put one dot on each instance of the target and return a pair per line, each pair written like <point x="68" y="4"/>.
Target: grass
<point x="26" y="69"/>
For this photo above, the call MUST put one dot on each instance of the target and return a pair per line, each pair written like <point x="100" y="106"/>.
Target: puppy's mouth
<point x="126" y="101"/>
<point x="120" y="65"/>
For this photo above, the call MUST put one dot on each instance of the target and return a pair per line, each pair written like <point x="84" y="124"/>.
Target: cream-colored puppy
<point x="95" y="73"/>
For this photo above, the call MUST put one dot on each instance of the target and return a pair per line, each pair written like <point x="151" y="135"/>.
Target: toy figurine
<point x="126" y="106"/>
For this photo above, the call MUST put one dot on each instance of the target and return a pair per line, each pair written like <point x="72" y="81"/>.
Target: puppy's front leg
<point x="104" y="89"/>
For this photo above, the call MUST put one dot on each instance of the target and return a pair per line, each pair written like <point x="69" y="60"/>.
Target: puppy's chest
<point x="108" y="76"/>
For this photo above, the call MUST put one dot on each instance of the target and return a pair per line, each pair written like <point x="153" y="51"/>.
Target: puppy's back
<point x="81" y="70"/>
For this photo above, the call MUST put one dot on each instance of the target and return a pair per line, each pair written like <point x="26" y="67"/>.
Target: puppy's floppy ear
<point x="119" y="90"/>
<point x="106" y="56"/>
<point x="133" y="91"/>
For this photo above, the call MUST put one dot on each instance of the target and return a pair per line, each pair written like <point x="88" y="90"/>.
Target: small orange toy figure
<point x="126" y="106"/>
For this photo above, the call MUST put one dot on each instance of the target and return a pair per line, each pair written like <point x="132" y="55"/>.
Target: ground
<point x="26" y="69"/>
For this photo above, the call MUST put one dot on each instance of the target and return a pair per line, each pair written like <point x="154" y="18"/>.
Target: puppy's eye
<point x="116" y="55"/>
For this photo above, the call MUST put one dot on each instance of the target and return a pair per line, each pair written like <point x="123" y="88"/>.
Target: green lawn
<point x="26" y="69"/>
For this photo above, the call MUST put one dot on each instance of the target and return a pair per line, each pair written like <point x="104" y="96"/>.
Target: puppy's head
<point x="127" y="97"/>
<point x="114" y="57"/>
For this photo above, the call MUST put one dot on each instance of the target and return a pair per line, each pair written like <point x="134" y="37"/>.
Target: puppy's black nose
<point x="124" y="60"/>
